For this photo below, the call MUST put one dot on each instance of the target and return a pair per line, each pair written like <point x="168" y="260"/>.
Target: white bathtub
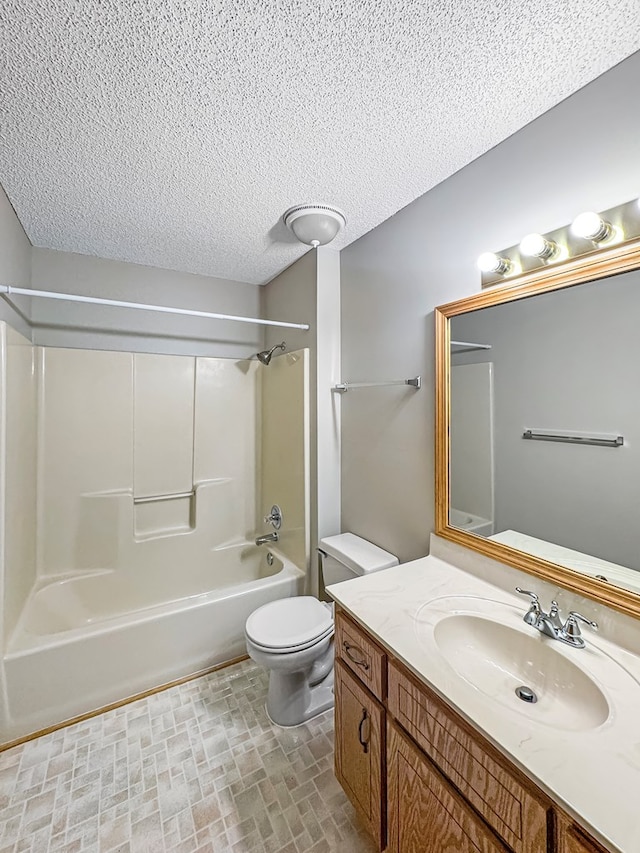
<point x="85" y="642"/>
<point x="470" y="523"/>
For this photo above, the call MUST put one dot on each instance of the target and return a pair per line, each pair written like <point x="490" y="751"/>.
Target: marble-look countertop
<point x="576" y="560"/>
<point x="593" y="773"/>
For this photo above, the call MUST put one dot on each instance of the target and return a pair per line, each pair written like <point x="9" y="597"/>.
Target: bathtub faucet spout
<point x="268" y="537"/>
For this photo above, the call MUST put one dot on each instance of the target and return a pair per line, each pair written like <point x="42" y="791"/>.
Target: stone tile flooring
<point x="198" y="767"/>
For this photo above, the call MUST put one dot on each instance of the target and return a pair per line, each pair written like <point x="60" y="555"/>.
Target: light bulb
<point x="490" y="262"/>
<point x="592" y="227"/>
<point x="536" y="246"/>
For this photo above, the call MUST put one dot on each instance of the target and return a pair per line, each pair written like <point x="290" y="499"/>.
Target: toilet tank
<point x="346" y="556"/>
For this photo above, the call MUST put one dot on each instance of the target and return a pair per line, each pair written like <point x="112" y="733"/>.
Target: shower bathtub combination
<point x="135" y="489"/>
<point x="83" y="643"/>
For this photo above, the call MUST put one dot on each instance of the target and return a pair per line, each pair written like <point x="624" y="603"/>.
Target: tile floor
<point x="198" y="767"/>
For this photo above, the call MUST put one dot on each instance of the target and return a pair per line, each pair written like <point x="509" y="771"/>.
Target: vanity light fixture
<point x="588" y="233"/>
<point x="536" y="246"/>
<point x="592" y="227"/>
<point x="490" y="262"/>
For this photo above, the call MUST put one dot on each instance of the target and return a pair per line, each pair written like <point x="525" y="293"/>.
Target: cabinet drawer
<point x="363" y="657"/>
<point x="503" y="800"/>
<point x="426" y="814"/>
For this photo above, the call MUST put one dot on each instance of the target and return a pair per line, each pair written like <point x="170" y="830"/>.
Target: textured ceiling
<point x="176" y="132"/>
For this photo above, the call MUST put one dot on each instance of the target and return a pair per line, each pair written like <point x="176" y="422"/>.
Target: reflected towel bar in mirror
<point x="599" y="441"/>
<point x="416" y="383"/>
<point x="467" y="346"/>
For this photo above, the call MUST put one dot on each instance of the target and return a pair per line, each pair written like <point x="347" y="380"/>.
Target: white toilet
<point x="293" y="637"/>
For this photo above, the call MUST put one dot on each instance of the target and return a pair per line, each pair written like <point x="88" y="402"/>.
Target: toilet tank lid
<point x="357" y="554"/>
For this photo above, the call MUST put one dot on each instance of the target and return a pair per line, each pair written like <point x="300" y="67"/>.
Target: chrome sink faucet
<point x="551" y="624"/>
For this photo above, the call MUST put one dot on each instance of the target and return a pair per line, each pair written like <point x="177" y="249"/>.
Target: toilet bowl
<point x="293" y="637"/>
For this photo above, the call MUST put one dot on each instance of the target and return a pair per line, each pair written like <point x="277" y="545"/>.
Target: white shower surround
<point x="63" y="662"/>
<point x="110" y="592"/>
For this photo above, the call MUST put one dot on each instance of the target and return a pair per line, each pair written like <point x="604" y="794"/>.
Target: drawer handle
<point x="358" y="662"/>
<point x="363" y="743"/>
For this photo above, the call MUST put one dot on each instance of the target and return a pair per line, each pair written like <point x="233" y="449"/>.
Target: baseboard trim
<point x="119" y="704"/>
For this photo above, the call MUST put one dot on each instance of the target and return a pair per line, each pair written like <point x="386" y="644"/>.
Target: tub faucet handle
<point x="275" y="517"/>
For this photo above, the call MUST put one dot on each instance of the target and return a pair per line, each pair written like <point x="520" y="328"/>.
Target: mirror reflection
<point x="563" y="366"/>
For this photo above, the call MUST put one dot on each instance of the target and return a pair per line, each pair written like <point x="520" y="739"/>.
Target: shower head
<point x="266" y="355"/>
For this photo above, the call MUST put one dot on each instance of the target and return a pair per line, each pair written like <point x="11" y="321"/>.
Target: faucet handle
<point x="532" y="595"/>
<point x="531" y="617"/>
<point x="573" y="620"/>
<point x="275" y="517"/>
<point x="570" y="632"/>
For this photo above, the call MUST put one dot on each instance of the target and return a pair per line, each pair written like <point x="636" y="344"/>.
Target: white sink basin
<point x="488" y="646"/>
<point x="496" y="659"/>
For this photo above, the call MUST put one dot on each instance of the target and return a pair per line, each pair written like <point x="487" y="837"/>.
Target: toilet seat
<point x="288" y="650"/>
<point x="290" y="624"/>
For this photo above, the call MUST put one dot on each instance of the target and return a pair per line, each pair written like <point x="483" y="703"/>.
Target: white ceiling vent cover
<point x="314" y="224"/>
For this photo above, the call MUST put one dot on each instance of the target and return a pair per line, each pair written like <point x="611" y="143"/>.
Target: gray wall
<point x="581" y="155"/>
<point x="309" y="292"/>
<point x="566" y="361"/>
<point x="291" y="296"/>
<point x="15" y="263"/>
<point x="15" y="269"/>
<point x="69" y="324"/>
<point x="58" y="323"/>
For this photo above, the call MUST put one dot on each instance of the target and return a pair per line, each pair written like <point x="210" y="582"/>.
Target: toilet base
<point x="300" y="680"/>
<point x="291" y="701"/>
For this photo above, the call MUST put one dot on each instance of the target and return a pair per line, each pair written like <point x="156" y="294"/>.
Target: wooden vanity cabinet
<point x="572" y="839"/>
<point x="421" y="778"/>
<point x="509" y="804"/>
<point x="425" y="812"/>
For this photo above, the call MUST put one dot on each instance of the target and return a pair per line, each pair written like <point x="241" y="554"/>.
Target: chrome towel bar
<point x="614" y="441"/>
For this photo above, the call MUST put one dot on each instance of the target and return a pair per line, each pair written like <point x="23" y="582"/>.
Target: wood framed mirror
<point x="552" y="355"/>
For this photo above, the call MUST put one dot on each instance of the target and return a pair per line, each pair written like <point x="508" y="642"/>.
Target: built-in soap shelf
<point x="151" y="499"/>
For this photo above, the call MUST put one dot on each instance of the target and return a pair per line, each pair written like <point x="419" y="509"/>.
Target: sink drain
<point x="526" y="694"/>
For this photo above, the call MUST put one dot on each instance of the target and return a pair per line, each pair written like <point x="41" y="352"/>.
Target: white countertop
<point x="576" y="560"/>
<point x="593" y="774"/>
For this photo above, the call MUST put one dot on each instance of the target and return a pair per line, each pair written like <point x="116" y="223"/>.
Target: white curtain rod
<point x="142" y="306"/>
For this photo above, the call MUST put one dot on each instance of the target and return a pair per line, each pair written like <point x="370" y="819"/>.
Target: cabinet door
<point x="359" y="750"/>
<point x="425" y="813"/>
<point x="510" y="806"/>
